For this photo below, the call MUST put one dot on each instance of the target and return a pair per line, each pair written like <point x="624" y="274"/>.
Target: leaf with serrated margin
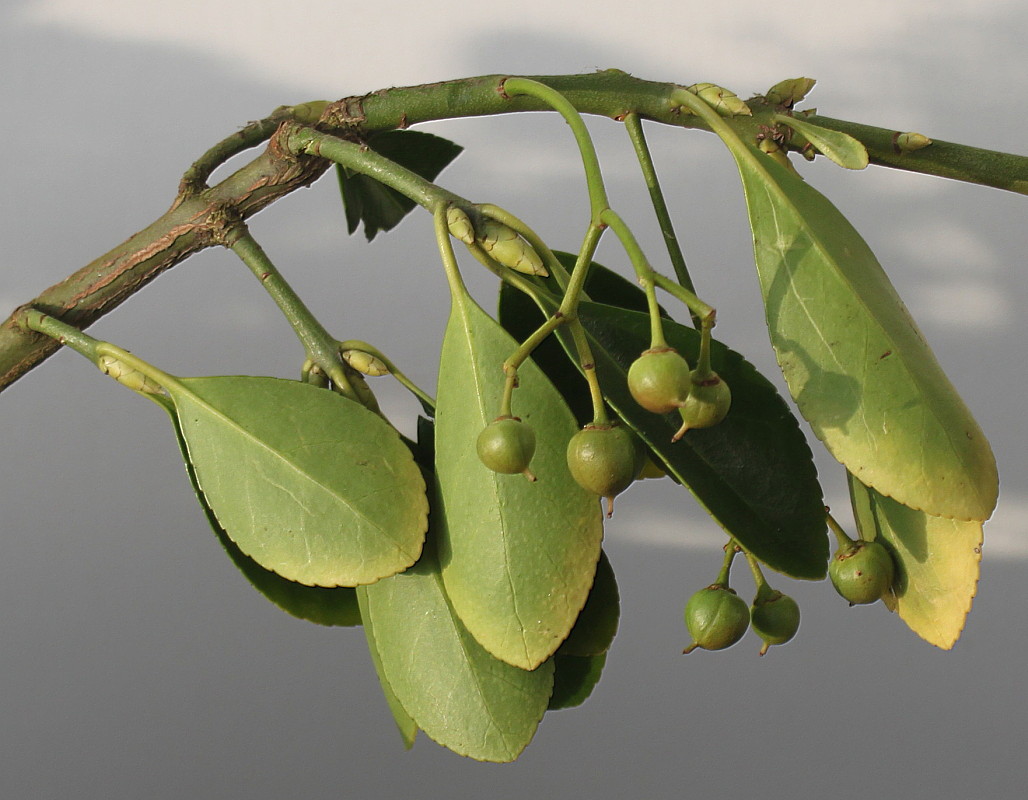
<point x="378" y="206"/>
<point x="318" y="604"/>
<point x="858" y="367"/>
<point x="310" y="485"/>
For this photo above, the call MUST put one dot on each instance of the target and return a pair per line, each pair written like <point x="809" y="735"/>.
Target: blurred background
<point x="135" y="660"/>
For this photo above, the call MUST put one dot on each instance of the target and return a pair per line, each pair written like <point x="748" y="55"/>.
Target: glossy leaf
<point x="518" y="557"/>
<point x="753" y="472"/>
<point x="378" y="206"/>
<point x="597" y="624"/>
<point x="855" y="362"/>
<point x="840" y="147"/>
<point x="574" y="679"/>
<point x="335" y="606"/>
<point x="405" y="724"/>
<point x="937" y="563"/>
<point x="310" y="485"/>
<point x="452" y="688"/>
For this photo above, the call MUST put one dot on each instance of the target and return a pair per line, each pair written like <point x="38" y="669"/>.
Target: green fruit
<point x="862" y="572"/>
<point x="604" y="460"/>
<point x="707" y="404"/>
<point x="659" y="380"/>
<point x="716" y="618"/>
<point x="507" y="445"/>
<point x="775" y="618"/>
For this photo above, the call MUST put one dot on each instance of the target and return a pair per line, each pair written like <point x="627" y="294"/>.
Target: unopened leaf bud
<point x="460" y="225"/>
<point x="508" y="248"/>
<point x="908" y="142"/>
<point x="365" y="363"/>
<point x="127" y="376"/>
<point x="724" y="102"/>
<point x="789" y="92"/>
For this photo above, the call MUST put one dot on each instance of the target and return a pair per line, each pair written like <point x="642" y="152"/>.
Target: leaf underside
<point x="517" y="557"/>
<point x="321" y="605"/>
<point x="450" y="686"/>
<point x="937" y="563"/>
<point x="855" y="362"/>
<point x="312" y="486"/>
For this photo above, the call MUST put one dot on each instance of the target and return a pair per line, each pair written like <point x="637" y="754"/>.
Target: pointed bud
<point x="789" y="92"/>
<point x="908" y="142"/>
<point x="127" y="376"/>
<point x="508" y="248"/>
<point x="724" y="102"/>
<point x="460" y="225"/>
<point x="365" y="363"/>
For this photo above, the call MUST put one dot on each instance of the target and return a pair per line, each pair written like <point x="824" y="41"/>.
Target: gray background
<point x="136" y="661"/>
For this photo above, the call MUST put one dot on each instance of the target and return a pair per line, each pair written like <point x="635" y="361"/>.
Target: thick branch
<point x="197" y="212"/>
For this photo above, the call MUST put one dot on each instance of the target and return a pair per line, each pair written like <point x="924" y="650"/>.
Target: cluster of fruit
<point x="606" y="457"/>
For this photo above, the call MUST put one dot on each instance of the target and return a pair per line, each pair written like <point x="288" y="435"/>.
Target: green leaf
<point x="310" y="485"/>
<point x="405" y="724"/>
<point x="597" y="624"/>
<point x="518" y="557"/>
<point x="937" y="563"/>
<point x="853" y="358"/>
<point x="378" y="206"/>
<point x="320" y="605"/>
<point x="840" y="147"/>
<point x="452" y="688"/>
<point x="574" y="678"/>
<point x="753" y="472"/>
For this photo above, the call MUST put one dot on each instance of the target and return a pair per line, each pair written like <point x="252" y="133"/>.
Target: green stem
<point x="95" y="351"/>
<point x="643" y="271"/>
<point x="513" y="87"/>
<point x="943" y="159"/>
<point x="764" y="590"/>
<point x="321" y="348"/>
<point x="642" y="151"/>
<point x="458" y="291"/>
<point x="844" y="539"/>
<point x="307" y="140"/>
<point x="703" y="370"/>
<point x="413" y="388"/>
<point x="113" y="277"/>
<point x="726" y="566"/>
<point x="195" y="178"/>
<point x="81" y="343"/>
<point x="683" y="295"/>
